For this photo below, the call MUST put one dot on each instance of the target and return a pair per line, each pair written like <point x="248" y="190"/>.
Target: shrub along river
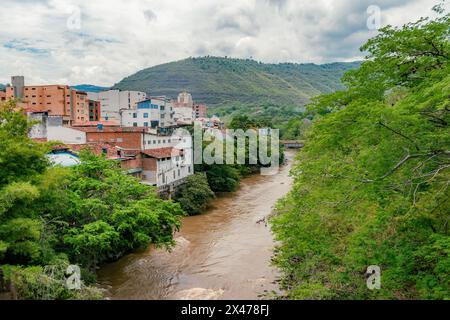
<point x="222" y="254"/>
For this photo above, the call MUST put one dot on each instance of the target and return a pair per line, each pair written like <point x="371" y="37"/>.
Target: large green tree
<point x="372" y="183"/>
<point x="87" y="214"/>
<point x="195" y="194"/>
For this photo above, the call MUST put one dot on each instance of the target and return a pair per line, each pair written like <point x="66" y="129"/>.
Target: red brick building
<point x="124" y="137"/>
<point x="200" y="110"/>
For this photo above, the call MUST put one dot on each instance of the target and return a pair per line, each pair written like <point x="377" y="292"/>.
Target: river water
<point x="221" y="254"/>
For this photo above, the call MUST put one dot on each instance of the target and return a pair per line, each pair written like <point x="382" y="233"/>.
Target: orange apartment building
<point x="58" y="100"/>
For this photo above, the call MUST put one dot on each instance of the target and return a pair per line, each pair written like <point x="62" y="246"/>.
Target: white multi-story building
<point x="112" y="101"/>
<point x="168" y="160"/>
<point x="51" y="128"/>
<point x="153" y="113"/>
<point x="183" y="115"/>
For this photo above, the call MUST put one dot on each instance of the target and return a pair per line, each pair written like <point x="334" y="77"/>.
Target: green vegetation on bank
<point x="216" y="178"/>
<point x="225" y="177"/>
<point x="372" y="183"/>
<point x="195" y="194"/>
<point x="86" y="215"/>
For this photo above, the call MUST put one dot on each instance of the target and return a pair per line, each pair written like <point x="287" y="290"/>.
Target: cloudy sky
<point x="100" y="42"/>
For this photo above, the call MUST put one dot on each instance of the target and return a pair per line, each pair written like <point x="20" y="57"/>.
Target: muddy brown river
<point x="221" y="254"/>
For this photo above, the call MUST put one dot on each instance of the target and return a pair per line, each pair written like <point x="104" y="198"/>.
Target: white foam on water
<point x="199" y="294"/>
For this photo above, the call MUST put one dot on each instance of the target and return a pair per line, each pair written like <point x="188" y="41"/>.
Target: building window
<point x="134" y="115"/>
<point x="145" y="115"/>
<point x="154" y="141"/>
<point x="145" y="124"/>
<point x="134" y="124"/>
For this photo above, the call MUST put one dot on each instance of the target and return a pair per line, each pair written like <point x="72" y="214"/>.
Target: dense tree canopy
<point x="87" y="214"/>
<point x="372" y="183"/>
<point x="195" y="194"/>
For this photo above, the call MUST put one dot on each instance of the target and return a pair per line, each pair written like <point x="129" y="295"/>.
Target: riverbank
<point x="222" y="254"/>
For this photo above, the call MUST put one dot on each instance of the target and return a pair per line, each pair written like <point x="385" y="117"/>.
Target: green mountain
<point x="89" y="88"/>
<point x="223" y="82"/>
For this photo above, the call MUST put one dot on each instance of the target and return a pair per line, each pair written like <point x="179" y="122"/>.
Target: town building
<point x="200" y="110"/>
<point x="185" y="99"/>
<point x="165" y="167"/>
<point x="144" y="138"/>
<point x="183" y="115"/>
<point x="57" y="100"/>
<point x="18" y="84"/>
<point x="152" y="113"/>
<point x="124" y="137"/>
<point x="167" y="159"/>
<point x="50" y="128"/>
<point x="210" y="123"/>
<point x="163" y="161"/>
<point x="113" y="101"/>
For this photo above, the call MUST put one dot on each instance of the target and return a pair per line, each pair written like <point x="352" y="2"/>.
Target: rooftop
<point x="109" y="123"/>
<point x="161" y="153"/>
<point x="110" y="129"/>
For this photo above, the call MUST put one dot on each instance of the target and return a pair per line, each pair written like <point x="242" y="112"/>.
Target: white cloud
<point x="117" y="38"/>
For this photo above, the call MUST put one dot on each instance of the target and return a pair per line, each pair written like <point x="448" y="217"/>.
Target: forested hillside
<point x="224" y="81"/>
<point x="372" y="183"/>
